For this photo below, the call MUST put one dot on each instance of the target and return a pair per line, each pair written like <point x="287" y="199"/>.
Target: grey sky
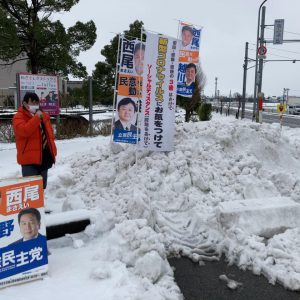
<point x="227" y="25"/>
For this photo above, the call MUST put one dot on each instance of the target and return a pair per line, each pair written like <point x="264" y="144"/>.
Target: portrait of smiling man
<point x="126" y="111"/>
<point x="138" y="58"/>
<point x="190" y="74"/>
<point x="29" y="220"/>
<point x="187" y="37"/>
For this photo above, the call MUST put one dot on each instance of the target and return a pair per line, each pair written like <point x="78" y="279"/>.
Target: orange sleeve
<point x="23" y="128"/>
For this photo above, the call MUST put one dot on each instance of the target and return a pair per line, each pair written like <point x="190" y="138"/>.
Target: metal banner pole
<point x="18" y="101"/>
<point x="115" y="89"/>
<point x="90" y="78"/>
<point x="139" y="104"/>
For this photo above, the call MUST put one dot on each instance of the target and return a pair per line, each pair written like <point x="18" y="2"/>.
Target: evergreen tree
<point x="27" y="32"/>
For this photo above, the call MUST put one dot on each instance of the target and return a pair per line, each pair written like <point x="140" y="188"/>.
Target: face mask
<point x="33" y="108"/>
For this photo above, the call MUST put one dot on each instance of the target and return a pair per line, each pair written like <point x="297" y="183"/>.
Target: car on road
<point x="294" y="109"/>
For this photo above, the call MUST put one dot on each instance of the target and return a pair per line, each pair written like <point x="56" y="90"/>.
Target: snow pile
<point x="148" y="205"/>
<point x="264" y="217"/>
<point x="127" y="262"/>
<point x="178" y="193"/>
<point x="140" y="253"/>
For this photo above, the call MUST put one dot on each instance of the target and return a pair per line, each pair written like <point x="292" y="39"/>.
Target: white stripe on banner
<point x="159" y="93"/>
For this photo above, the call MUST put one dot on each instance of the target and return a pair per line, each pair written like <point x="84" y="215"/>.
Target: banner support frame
<point x="115" y="89"/>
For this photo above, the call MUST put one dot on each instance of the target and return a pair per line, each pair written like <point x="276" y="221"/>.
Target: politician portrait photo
<point x="29" y="220"/>
<point x="127" y="115"/>
<point x="138" y="58"/>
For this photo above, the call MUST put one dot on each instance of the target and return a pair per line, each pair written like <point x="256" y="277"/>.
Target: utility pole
<point x="285" y="98"/>
<point x="216" y="87"/>
<point x="244" y="80"/>
<point x="229" y="104"/>
<point x="261" y="61"/>
<point x="221" y="101"/>
<point x="255" y="106"/>
<point x="261" y="43"/>
<point x="216" y="92"/>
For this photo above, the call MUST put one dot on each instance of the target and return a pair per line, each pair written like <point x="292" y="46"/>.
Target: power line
<point x="282" y="50"/>
<point x="292" y="32"/>
<point x="281" y="56"/>
<point x="276" y="55"/>
<point x="296" y="33"/>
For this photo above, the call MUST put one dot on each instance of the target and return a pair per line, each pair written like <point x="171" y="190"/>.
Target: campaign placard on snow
<point x="23" y="242"/>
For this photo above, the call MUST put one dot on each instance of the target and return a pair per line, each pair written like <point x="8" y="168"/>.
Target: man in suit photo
<point x="126" y="111"/>
<point x="51" y="97"/>
<point x="190" y="74"/>
<point x="187" y="37"/>
<point x="29" y="220"/>
<point x="138" y="58"/>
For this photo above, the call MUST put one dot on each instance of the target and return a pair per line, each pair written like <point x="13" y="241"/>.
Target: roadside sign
<point x="262" y="51"/>
<point x="278" y="31"/>
<point x="281" y="108"/>
<point x="45" y="86"/>
<point x="23" y="242"/>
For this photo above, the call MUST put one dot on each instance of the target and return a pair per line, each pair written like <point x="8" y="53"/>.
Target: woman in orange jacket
<point x="36" y="149"/>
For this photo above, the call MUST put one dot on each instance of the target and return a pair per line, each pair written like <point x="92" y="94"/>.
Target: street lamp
<point x="256" y="61"/>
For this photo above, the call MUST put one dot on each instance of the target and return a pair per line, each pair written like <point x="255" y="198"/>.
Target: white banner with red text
<point x="159" y="93"/>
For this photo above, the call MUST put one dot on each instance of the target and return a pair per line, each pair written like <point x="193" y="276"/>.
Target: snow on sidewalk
<point x="174" y="198"/>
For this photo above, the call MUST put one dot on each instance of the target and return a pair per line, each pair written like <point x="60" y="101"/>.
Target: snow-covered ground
<point x="148" y="205"/>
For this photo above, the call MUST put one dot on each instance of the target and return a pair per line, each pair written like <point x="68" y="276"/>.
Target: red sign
<point x="262" y="50"/>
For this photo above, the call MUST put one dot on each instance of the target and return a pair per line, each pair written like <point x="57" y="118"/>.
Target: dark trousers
<point x="32" y="170"/>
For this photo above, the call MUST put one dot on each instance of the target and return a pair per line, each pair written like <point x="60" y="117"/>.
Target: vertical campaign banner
<point x="45" y="86"/>
<point x="23" y="242"/>
<point x="159" y="93"/>
<point x="188" y="59"/>
<point x="129" y="91"/>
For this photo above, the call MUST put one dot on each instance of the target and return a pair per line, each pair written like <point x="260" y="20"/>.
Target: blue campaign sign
<point x="124" y="136"/>
<point x="23" y="256"/>
<point x="23" y="242"/>
<point x="6" y="228"/>
<point x="184" y="90"/>
<point x="186" y="79"/>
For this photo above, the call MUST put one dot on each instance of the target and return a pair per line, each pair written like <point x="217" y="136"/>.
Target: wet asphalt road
<point x="203" y="283"/>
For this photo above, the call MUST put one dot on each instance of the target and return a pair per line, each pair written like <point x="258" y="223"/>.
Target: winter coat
<point x="28" y="136"/>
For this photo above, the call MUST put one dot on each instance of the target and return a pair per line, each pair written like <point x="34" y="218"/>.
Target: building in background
<point x="8" y="81"/>
<point x="74" y="84"/>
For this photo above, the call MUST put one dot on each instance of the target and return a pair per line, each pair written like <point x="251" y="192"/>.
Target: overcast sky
<point x="227" y="26"/>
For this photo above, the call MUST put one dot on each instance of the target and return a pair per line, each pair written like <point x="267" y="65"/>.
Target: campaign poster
<point x="129" y="88"/>
<point x="188" y="59"/>
<point x="23" y="242"/>
<point x="125" y="122"/>
<point x="45" y="86"/>
<point x="132" y="57"/>
<point x="159" y="93"/>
